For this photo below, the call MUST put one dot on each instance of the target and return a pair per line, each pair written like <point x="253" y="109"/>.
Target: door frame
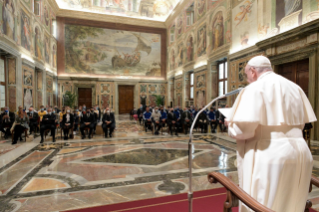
<point x="117" y="105"/>
<point x="79" y="85"/>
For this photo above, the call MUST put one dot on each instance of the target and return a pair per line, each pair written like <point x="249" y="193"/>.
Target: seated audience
<point x="33" y="120"/>
<point x="41" y="113"/>
<point x="21" y="124"/>
<point x="156" y="118"/>
<point x="178" y="116"/>
<point x="76" y="119"/>
<point x="96" y="116"/>
<point x="187" y="120"/>
<point x="56" y="109"/>
<point x="212" y="119"/>
<point x="98" y="111"/>
<point x="203" y="122"/>
<point x="48" y="122"/>
<point x="7" y="120"/>
<point x="87" y="121"/>
<point x="61" y="114"/>
<point x="172" y="122"/>
<point x="140" y="112"/>
<point x="147" y="118"/>
<point x="108" y="122"/>
<point x="163" y="116"/>
<point x="67" y="123"/>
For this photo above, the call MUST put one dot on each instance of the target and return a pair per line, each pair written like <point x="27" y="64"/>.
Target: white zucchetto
<point x="259" y="61"/>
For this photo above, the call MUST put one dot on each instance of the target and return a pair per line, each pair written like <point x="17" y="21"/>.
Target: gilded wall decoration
<point x="12" y="70"/>
<point x="178" y="92"/>
<point x="40" y="80"/>
<point x="38" y="44"/>
<point x="26" y="31"/>
<point x="27" y="77"/>
<point x="147" y="90"/>
<point x="12" y="98"/>
<point x="217" y="30"/>
<point x="105" y="93"/>
<point x="49" y="82"/>
<point x="28" y="86"/>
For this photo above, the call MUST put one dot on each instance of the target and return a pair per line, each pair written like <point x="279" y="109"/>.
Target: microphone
<point x="190" y="146"/>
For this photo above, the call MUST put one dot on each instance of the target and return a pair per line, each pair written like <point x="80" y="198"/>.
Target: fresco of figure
<point x="25" y="32"/>
<point x="37" y="43"/>
<point x="218" y="31"/>
<point x="201" y="50"/>
<point x="172" y="60"/>
<point x="190" y="49"/>
<point x="54" y="56"/>
<point x="8" y="10"/>
<point x="47" y="50"/>
<point x="46" y="16"/>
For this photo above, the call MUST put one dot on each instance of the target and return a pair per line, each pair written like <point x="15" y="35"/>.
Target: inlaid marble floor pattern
<point x="85" y="173"/>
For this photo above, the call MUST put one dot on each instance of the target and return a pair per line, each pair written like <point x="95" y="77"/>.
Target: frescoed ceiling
<point x="157" y="10"/>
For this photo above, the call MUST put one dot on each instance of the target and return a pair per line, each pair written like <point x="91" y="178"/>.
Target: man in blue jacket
<point x="163" y="116"/>
<point x="178" y="118"/>
<point x="147" y="115"/>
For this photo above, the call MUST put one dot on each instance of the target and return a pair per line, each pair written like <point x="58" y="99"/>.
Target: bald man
<point x="267" y="118"/>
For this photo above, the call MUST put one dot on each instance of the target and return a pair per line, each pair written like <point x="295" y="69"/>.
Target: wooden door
<point x="85" y="97"/>
<point x="126" y="98"/>
<point x="298" y="72"/>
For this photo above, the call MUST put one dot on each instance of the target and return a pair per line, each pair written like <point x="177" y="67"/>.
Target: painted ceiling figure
<point x="291" y="6"/>
<point x="245" y="10"/>
<point x="218" y="31"/>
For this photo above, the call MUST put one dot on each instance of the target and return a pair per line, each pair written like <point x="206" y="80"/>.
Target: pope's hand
<point x="226" y="123"/>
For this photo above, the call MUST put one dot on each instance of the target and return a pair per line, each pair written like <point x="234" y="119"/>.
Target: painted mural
<point x="200" y="89"/>
<point x="190" y="48"/>
<point x="147" y="91"/>
<point x="172" y="60"/>
<point x="201" y="8"/>
<point x="180" y="54"/>
<point x="25" y="31"/>
<point x="46" y="17"/>
<point x="38" y="43"/>
<point x="151" y="9"/>
<point x="47" y="48"/>
<point x="94" y="50"/>
<point x="54" y="56"/>
<point x="201" y="41"/>
<point x="217" y="30"/>
<point x="9" y="18"/>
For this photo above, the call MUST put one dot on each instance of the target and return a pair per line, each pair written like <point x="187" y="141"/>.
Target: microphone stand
<point x="190" y="147"/>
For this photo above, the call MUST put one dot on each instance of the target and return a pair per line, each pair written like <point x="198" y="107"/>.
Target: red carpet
<point x="204" y="201"/>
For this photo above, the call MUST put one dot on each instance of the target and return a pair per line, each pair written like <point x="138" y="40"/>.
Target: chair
<point x="149" y="125"/>
<point x="72" y="135"/>
<point x="88" y="130"/>
<point x="25" y="133"/>
<point x="235" y="193"/>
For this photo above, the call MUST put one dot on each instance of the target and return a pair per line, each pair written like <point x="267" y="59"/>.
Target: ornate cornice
<point x="291" y="35"/>
<point x="245" y="52"/>
<point x="219" y="53"/>
<point x="176" y="12"/>
<point x="109" y="18"/>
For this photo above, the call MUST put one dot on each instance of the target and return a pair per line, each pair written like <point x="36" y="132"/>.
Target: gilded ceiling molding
<point x="110" y="18"/>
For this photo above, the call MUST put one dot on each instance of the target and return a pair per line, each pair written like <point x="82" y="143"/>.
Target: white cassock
<point x="274" y="162"/>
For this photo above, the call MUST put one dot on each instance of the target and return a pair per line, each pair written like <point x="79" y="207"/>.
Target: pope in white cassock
<point x="267" y="118"/>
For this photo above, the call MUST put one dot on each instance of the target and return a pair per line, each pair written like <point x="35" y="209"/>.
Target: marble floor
<point x="131" y="166"/>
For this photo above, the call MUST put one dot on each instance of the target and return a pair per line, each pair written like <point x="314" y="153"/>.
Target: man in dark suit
<point x="95" y="115"/>
<point x="187" y="120"/>
<point x="108" y="122"/>
<point x="87" y="121"/>
<point x="203" y="122"/>
<point x="7" y="120"/>
<point x="67" y="123"/>
<point x="48" y="122"/>
<point x="172" y="121"/>
<point x="33" y="120"/>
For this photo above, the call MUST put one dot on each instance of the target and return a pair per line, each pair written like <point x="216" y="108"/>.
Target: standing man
<point x="108" y="122"/>
<point x="7" y="120"/>
<point x="48" y="122"/>
<point x="33" y="119"/>
<point x="87" y="121"/>
<point x="267" y="118"/>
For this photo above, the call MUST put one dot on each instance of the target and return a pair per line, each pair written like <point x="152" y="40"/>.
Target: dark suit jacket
<point x="108" y="118"/>
<point x="203" y="117"/>
<point x="189" y="116"/>
<point x="71" y="120"/>
<point x="34" y="118"/>
<point x="11" y="117"/>
<point x="49" y="119"/>
<point x="171" y="117"/>
<point x="85" y="119"/>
